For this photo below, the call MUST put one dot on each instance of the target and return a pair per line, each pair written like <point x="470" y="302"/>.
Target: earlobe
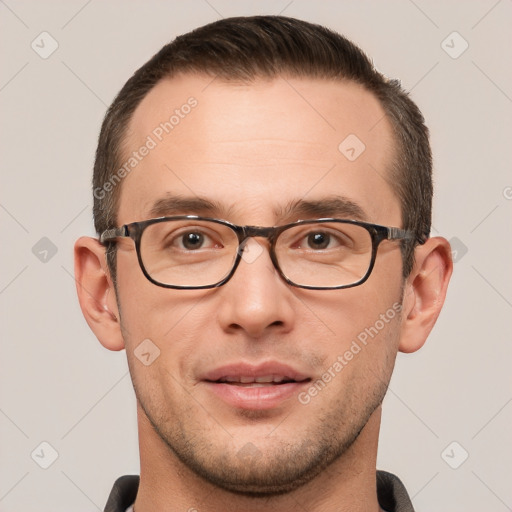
<point x="96" y="293"/>
<point x="425" y="292"/>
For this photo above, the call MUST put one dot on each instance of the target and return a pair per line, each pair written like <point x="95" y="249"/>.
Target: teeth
<point x="251" y="384"/>
<point x="267" y="378"/>
<point x="264" y="379"/>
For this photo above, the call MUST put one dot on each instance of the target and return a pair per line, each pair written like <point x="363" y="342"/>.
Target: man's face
<point x="254" y="151"/>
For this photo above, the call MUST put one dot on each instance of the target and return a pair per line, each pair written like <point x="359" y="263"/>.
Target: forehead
<point x="258" y="146"/>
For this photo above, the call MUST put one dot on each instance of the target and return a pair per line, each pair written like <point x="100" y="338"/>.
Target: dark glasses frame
<point x="377" y="232"/>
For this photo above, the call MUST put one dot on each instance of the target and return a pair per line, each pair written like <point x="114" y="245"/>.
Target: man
<point x="263" y="200"/>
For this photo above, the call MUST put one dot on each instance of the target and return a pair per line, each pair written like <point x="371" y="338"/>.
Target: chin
<point x="276" y="470"/>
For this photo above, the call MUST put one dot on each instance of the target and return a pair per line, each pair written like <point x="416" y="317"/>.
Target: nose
<point x="256" y="300"/>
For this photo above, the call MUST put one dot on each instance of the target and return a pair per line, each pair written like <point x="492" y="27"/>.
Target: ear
<point x="425" y="292"/>
<point x="96" y="293"/>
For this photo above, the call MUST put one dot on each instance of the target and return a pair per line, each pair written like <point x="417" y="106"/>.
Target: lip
<point x="245" y="369"/>
<point x="256" y="397"/>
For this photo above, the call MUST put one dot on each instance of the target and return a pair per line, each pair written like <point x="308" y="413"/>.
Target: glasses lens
<point x="325" y="254"/>
<point x="188" y="252"/>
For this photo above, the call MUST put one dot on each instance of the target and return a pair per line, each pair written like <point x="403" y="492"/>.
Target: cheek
<point x="148" y="310"/>
<point x="362" y="326"/>
<point x="350" y="313"/>
<point x="162" y="329"/>
<point x="364" y="356"/>
<point x="160" y="364"/>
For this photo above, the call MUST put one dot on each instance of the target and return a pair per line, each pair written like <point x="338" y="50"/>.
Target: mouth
<point x="255" y="382"/>
<point x="264" y="386"/>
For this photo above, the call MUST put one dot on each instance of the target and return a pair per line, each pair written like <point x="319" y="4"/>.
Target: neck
<point x="348" y="484"/>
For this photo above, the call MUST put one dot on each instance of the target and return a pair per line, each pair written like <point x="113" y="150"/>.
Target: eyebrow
<point x="180" y="205"/>
<point x="332" y="206"/>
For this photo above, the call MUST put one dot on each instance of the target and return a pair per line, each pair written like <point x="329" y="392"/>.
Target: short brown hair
<point x="247" y="48"/>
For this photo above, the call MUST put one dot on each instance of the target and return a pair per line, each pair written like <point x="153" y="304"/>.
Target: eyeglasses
<point x="191" y="252"/>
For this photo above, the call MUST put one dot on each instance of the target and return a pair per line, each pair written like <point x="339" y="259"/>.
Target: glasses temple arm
<point x="111" y="234"/>
<point x="403" y="234"/>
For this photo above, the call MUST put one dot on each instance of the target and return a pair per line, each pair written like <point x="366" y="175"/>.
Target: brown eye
<point x="318" y="240"/>
<point x="192" y="240"/>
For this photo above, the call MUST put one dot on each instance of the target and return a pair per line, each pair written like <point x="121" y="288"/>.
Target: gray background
<point x="59" y="386"/>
